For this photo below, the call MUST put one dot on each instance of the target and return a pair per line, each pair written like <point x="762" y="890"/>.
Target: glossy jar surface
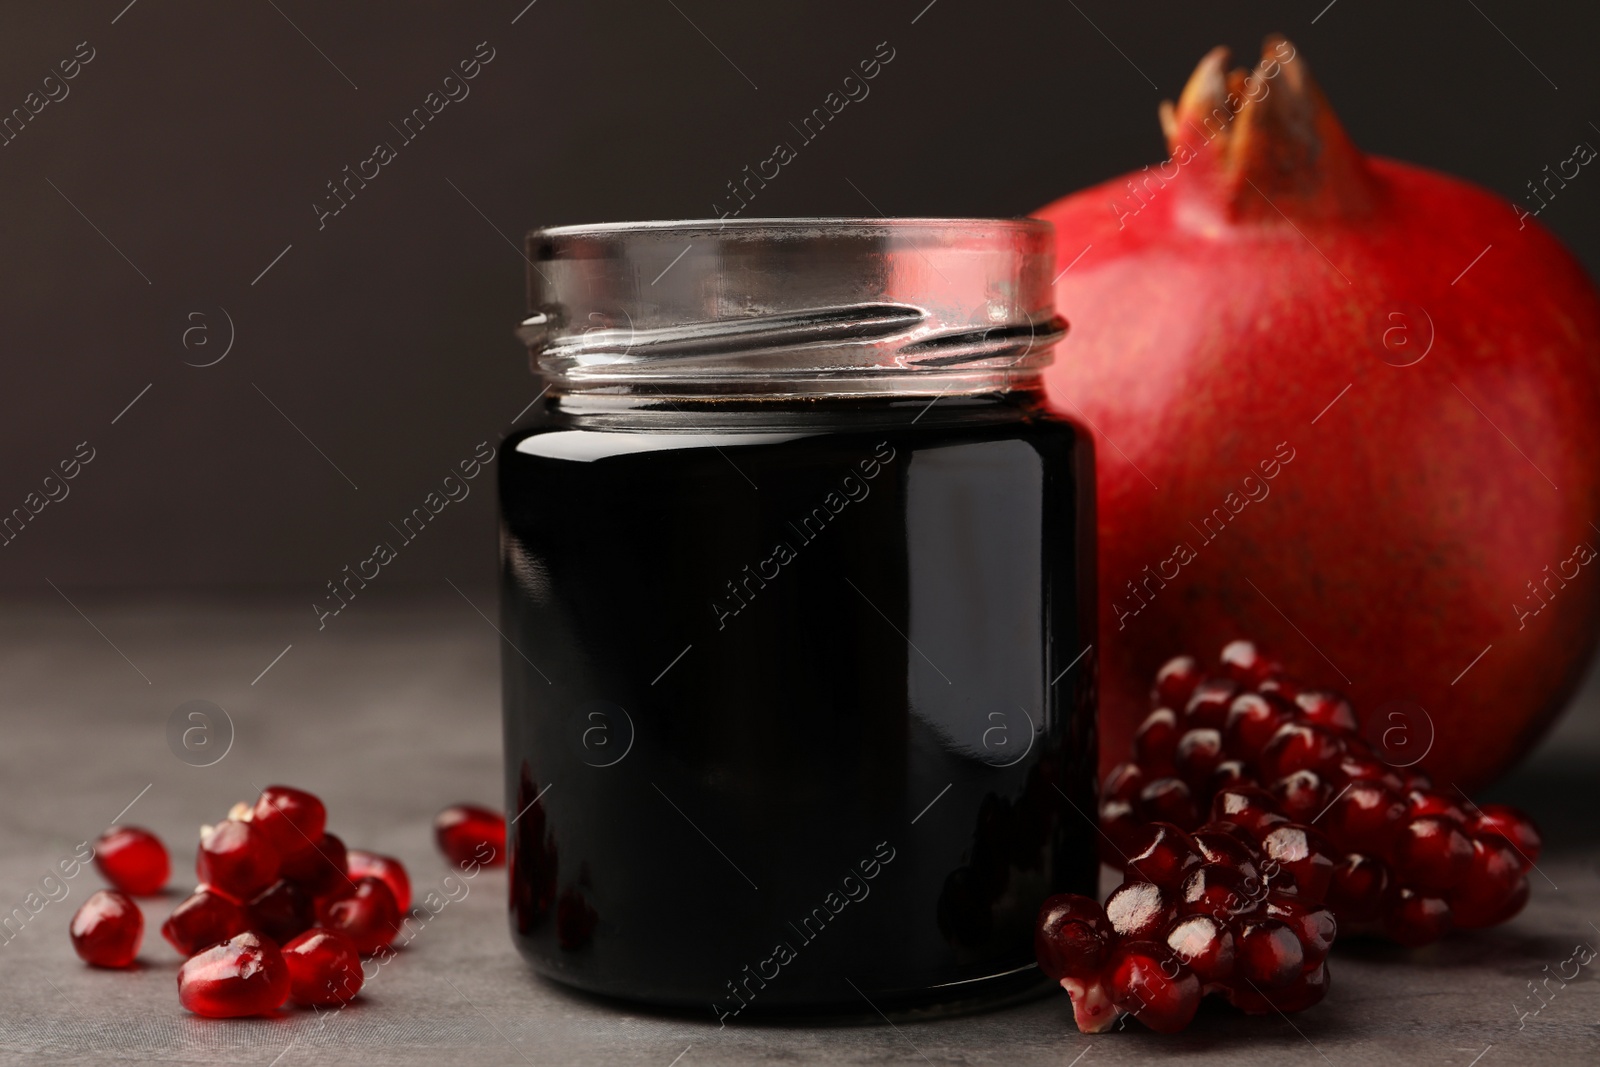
<point x="797" y="715"/>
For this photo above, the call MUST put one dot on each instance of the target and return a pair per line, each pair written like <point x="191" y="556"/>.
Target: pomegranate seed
<point x="1431" y="854"/>
<point x="1364" y="817"/>
<point x="1139" y="983"/>
<point x="1156" y="741"/>
<point x="1355" y="768"/>
<point x="1301" y="796"/>
<point x="1217" y="846"/>
<point x="324" y="968"/>
<point x="320" y="869"/>
<point x="1359" y="889"/>
<point x="1492" y="879"/>
<point x="1229" y="772"/>
<point x="1139" y="910"/>
<point x="1205" y="945"/>
<point x="1305" y="855"/>
<point x="1253" y="719"/>
<point x="1070" y="937"/>
<point x="1515" y="827"/>
<point x="281" y="911"/>
<point x="467" y="833"/>
<point x="1164" y="854"/>
<point x="133" y="860"/>
<point x="1420" y="803"/>
<point x="1169" y="800"/>
<point x="1414" y="920"/>
<point x="1299" y="746"/>
<point x="291" y="818"/>
<point x="1415" y="779"/>
<point x="107" y="929"/>
<point x="1513" y="904"/>
<point x="244" y="975"/>
<point x="1248" y="807"/>
<point x="1278" y="686"/>
<point x="1314" y="927"/>
<point x="237" y="858"/>
<point x="1208" y="706"/>
<point x="202" y="920"/>
<point x="1245" y="664"/>
<point x="1175" y="682"/>
<point x="1268" y="954"/>
<point x="367" y="916"/>
<point x="1197" y="755"/>
<point x="1119" y="827"/>
<point x="575" y="920"/>
<point x="388" y="870"/>
<point x="1330" y="710"/>
<point x="1219" y="891"/>
<point x="1298" y="995"/>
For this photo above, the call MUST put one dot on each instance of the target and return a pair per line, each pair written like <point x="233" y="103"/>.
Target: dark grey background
<point x="201" y="134"/>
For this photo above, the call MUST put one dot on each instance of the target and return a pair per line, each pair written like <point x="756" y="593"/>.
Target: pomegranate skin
<point x="1245" y="314"/>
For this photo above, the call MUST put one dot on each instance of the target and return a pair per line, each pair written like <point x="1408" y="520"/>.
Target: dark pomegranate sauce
<point x="797" y="587"/>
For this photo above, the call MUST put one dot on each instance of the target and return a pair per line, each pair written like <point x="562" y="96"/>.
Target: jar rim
<point x="792" y="306"/>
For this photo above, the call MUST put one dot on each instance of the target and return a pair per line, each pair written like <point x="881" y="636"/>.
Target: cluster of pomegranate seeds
<point x="467" y="833"/>
<point x="1252" y="824"/>
<point x="270" y="875"/>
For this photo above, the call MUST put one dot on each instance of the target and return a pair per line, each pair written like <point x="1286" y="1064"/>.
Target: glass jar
<point x="798" y="588"/>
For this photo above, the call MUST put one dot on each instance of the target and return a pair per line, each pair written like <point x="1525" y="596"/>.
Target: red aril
<point x="1305" y="856"/>
<point x="320" y="869"/>
<point x="388" y="870"/>
<point x="1268" y="955"/>
<point x="1138" y="910"/>
<point x="324" y="968"/>
<point x="1431" y="853"/>
<point x="244" y="975"/>
<point x="1146" y="980"/>
<point x="1359" y="888"/>
<point x="1313" y="926"/>
<point x="238" y="858"/>
<point x="203" y="919"/>
<point x="291" y="818"/>
<point x="1513" y="826"/>
<point x="1492" y="881"/>
<point x="367" y="916"/>
<point x="1175" y="682"/>
<point x="1295" y="357"/>
<point x="107" y="929"/>
<point x="1205" y="944"/>
<point x="1253" y="719"/>
<point x="282" y="911"/>
<point x="1070" y="936"/>
<point x="133" y="860"/>
<point x="1161" y="853"/>
<point x="467" y="834"/>
<point x="1414" y="919"/>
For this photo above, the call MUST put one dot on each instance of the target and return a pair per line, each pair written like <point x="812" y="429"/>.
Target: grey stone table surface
<point x="391" y="714"/>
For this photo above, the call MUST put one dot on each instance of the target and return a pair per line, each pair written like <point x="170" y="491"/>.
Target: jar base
<point x="972" y="996"/>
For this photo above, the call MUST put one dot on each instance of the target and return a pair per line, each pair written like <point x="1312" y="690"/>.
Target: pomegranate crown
<point x="1266" y="139"/>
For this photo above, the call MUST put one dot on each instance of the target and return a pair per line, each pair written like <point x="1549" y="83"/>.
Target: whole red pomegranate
<point x="1346" y="403"/>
